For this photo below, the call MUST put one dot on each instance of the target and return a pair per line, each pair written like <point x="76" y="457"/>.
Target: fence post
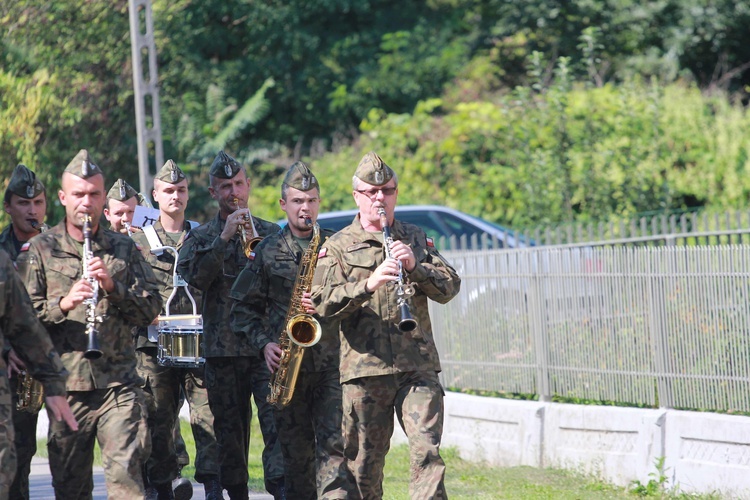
<point x="657" y="275"/>
<point x="535" y="302"/>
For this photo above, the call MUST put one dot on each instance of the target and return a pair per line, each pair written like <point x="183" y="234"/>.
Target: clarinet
<point x="92" y="350"/>
<point x="403" y="289"/>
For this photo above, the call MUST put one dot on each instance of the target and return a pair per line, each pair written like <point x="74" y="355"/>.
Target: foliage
<point x="656" y="486"/>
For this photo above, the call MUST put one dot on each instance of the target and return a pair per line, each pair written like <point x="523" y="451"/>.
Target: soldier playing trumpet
<point x="210" y="259"/>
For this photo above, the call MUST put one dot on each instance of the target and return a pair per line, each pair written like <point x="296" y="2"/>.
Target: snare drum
<point x="180" y="341"/>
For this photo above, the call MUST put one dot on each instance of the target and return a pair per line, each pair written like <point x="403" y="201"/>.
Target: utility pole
<point x="147" y="117"/>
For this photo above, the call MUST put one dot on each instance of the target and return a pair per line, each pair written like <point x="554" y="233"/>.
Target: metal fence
<point x="664" y="325"/>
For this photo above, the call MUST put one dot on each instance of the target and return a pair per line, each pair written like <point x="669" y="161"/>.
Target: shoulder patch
<point x="430" y="242"/>
<point x="322" y="252"/>
<point x="25" y="247"/>
<point x="251" y="256"/>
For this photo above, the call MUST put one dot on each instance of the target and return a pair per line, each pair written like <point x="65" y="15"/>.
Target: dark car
<point x="448" y="227"/>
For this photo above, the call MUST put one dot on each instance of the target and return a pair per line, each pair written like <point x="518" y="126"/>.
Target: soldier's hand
<point x="272" y="353"/>
<point x="15" y="364"/>
<point x="80" y="291"/>
<point x="385" y="272"/>
<point x="98" y="270"/>
<point x="61" y="410"/>
<point x="307" y="303"/>
<point x="403" y="252"/>
<point x="234" y="220"/>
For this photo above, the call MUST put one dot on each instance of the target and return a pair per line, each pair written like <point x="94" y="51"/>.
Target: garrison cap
<point x="82" y="166"/>
<point x="373" y="170"/>
<point x="24" y="183"/>
<point x="224" y="166"/>
<point x="300" y="177"/>
<point x="170" y="173"/>
<point x="121" y="191"/>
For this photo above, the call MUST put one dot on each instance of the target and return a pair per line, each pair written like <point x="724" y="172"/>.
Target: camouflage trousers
<point x="311" y="442"/>
<point x="116" y="418"/>
<point x="231" y="381"/>
<point x="7" y="449"/>
<point x="369" y="403"/>
<point x="24" y="425"/>
<point x="163" y="387"/>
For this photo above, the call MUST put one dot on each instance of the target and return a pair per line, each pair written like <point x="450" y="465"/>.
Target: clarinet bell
<point x="92" y="349"/>
<point x="407" y="323"/>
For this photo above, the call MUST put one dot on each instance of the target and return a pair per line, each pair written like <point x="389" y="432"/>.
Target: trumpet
<point x="92" y="351"/>
<point x="404" y="290"/>
<point x="248" y="242"/>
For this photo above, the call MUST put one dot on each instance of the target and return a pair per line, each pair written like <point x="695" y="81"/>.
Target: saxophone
<point x="301" y="330"/>
<point x="30" y="391"/>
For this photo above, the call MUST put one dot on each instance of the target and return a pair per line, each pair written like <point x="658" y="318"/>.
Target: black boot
<point x="213" y="489"/>
<point x="236" y="492"/>
<point x="183" y="488"/>
<point x="277" y="489"/>
<point x="164" y="491"/>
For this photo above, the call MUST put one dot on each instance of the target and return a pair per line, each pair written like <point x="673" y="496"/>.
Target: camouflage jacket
<point x="211" y="265"/>
<point x="371" y="343"/>
<point x="163" y="267"/>
<point x="20" y="326"/>
<point x="51" y="263"/>
<point x="7" y="242"/>
<point x="262" y="294"/>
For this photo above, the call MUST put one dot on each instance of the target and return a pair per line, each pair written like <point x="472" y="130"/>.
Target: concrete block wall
<point x="703" y="452"/>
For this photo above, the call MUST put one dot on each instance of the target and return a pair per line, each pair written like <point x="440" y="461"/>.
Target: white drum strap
<point x="153" y="238"/>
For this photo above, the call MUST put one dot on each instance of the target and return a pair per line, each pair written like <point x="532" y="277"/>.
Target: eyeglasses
<point x="372" y="193"/>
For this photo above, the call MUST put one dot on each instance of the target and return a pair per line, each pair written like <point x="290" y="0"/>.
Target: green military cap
<point x="373" y="170"/>
<point x="170" y="173"/>
<point x="24" y="183"/>
<point x="82" y="166"/>
<point x="121" y="191"/>
<point x="300" y="177"/>
<point x="224" y="166"/>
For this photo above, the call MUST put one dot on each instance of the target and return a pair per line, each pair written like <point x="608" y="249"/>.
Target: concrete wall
<point x="703" y="452"/>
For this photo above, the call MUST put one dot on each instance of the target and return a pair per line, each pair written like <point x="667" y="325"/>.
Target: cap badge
<point x="228" y="170"/>
<point x="305" y="183"/>
<point x="379" y="177"/>
<point x="173" y="175"/>
<point x="29" y="191"/>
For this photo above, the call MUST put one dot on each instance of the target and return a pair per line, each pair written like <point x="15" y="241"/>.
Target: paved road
<point x="40" y="484"/>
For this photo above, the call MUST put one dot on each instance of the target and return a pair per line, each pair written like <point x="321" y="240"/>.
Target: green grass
<point x="464" y="479"/>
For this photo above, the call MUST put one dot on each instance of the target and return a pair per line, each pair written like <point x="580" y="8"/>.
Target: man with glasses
<point x="211" y="257"/>
<point x="385" y="369"/>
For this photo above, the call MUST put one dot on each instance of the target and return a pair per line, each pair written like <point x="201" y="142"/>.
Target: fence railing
<point x="704" y="228"/>
<point x="666" y="326"/>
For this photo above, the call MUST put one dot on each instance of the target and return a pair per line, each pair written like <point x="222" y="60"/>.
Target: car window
<point x="336" y="223"/>
<point x="430" y="226"/>
<point x="460" y="227"/>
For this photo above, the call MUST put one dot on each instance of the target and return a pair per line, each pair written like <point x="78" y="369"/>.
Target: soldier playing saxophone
<point x="309" y="427"/>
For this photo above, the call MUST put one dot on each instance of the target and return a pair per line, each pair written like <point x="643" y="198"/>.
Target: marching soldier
<point x="210" y="259"/>
<point x="20" y="327"/>
<point x="163" y="383"/>
<point x="26" y="204"/>
<point x="309" y="427"/>
<point x="104" y="393"/>
<point x="386" y="368"/>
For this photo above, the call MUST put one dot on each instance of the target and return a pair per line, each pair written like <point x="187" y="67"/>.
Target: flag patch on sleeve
<point x="430" y="242"/>
<point x="322" y="252"/>
<point x="251" y="256"/>
<point x="25" y="247"/>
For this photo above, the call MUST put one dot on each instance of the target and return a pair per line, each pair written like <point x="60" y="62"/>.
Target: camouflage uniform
<point x="22" y="183"/>
<point x="104" y="394"/>
<point x="234" y="370"/>
<point x="164" y="383"/>
<point x="19" y="326"/>
<point x="309" y="428"/>
<point x="383" y="369"/>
